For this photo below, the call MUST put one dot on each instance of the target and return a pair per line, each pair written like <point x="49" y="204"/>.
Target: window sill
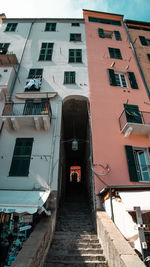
<point x="69" y="83"/>
<point x="75" y="62"/>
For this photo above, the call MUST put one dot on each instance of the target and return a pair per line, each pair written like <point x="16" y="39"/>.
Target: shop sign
<point x="24" y="228"/>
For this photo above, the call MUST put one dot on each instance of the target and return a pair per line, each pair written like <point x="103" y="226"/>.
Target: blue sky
<point x="131" y="9"/>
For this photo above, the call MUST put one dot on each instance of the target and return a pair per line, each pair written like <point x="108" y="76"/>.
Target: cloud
<point x="131" y="9"/>
<point x="50" y="8"/>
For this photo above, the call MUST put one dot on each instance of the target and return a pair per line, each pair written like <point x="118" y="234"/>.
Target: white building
<point x="53" y="52"/>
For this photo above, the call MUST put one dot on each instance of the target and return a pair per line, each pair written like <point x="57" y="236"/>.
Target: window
<point x="119" y="79"/>
<point x="50" y="27"/>
<point x="21" y="157"/>
<point x="11" y="27"/>
<point x="75" y="55"/>
<point x="75" y="37"/>
<point x="133" y="114"/>
<point x="109" y="34"/>
<point x="35" y="73"/>
<point x="34" y="80"/>
<point x="138" y="163"/>
<point x="105" y="34"/>
<point x="115" y="53"/>
<point x="4" y="48"/>
<point x="46" y="51"/>
<point x="144" y="41"/>
<point x="69" y="77"/>
<point x="75" y="24"/>
<point x="105" y="21"/>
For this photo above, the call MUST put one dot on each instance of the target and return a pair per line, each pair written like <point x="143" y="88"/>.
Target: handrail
<point x="28" y="108"/>
<point x="143" y="117"/>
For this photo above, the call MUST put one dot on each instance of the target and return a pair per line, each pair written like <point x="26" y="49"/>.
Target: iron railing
<point x="142" y="117"/>
<point x="28" y="108"/>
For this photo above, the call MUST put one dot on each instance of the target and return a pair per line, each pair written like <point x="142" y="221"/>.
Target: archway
<point x="76" y="149"/>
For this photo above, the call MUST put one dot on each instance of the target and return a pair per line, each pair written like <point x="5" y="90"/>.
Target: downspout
<point x="137" y="60"/>
<point x="12" y="88"/>
<point x="111" y="205"/>
<point x="91" y="157"/>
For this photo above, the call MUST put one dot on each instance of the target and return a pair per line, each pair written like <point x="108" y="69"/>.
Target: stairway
<point x="75" y="242"/>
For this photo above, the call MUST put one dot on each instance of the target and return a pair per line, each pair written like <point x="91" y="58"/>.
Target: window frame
<point x="50" y="27"/>
<point x="33" y="74"/>
<point x="46" y="52"/>
<point x="69" y="77"/>
<point x="140" y="172"/>
<point x="75" y="24"/>
<point x="115" y="53"/>
<point x="133" y="164"/>
<point x="11" y="27"/>
<point x="5" y="47"/>
<point x="75" y="37"/>
<point x="119" y="74"/>
<point x="74" y="58"/>
<point x="105" y="21"/>
<point x="113" y="35"/>
<point x="21" y="157"/>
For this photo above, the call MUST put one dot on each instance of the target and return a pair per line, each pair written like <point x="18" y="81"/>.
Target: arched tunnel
<point x="76" y="151"/>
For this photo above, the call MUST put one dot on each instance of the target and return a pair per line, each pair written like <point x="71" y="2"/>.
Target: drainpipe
<point x="137" y="60"/>
<point x="91" y="156"/>
<point x="12" y="88"/>
<point x="111" y="205"/>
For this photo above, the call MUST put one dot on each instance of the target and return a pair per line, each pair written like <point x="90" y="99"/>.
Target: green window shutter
<point x="117" y="35"/>
<point x="148" y="55"/>
<point x="21" y="157"/>
<point x="143" y="40"/>
<point x="112" y="78"/>
<point x="132" y="113"/>
<point x="132" y="80"/>
<point x="131" y="164"/>
<point x="101" y="33"/>
<point x="111" y="52"/>
<point x="118" y="53"/>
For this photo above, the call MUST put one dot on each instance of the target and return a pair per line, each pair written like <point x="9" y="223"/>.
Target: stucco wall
<point x="107" y="102"/>
<point x="26" y="42"/>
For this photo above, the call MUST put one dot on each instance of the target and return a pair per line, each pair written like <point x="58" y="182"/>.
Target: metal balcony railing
<point x="140" y="117"/>
<point x="28" y="108"/>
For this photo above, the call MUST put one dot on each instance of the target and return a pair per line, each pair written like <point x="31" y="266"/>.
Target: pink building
<point x="120" y="113"/>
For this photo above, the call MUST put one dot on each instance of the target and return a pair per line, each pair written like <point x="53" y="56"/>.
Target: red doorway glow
<point x="75" y="173"/>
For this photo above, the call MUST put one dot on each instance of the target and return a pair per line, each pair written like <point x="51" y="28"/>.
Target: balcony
<point x="30" y="114"/>
<point x="134" y="122"/>
<point x="8" y="60"/>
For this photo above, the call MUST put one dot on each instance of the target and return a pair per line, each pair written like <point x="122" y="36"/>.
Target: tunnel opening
<point x="76" y="181"/>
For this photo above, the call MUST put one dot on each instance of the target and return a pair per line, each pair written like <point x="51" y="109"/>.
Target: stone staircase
<point x="75" y="242"/>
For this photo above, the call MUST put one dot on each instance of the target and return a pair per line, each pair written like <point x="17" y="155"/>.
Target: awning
<point x="22" y="201"/>
<point x="35" y="95"/>
<point x="136" y="199"/>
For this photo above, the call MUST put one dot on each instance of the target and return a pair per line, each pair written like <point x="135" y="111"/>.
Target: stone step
<point x="77" y="264"/>
<point x="74" y="251"/>
<point x="80" y="245"/>
<point x="77" y="235"/>
<point x="74" y="221"/>
<point x="74" y="229"/>
<point x="75" y="257"/>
